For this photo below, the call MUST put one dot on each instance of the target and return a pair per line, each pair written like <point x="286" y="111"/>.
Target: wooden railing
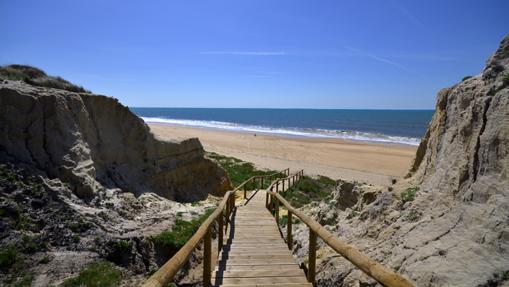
<point x="252" y="181"/>
<point x="165" y="274"/>
<point x="375" y="270"/>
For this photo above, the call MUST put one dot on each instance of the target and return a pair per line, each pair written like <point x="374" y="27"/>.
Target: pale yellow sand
<point x="349" y="160"/>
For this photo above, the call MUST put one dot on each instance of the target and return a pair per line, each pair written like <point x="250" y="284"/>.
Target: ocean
<point x="385" y="126"/>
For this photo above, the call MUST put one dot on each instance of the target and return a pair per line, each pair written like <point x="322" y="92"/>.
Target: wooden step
<point x="292" y="266"/>
<point x="258" y="273"/>
<point x="256" y="254"/>
<point x="261" y="280"/>
<point x="269" y="285"/>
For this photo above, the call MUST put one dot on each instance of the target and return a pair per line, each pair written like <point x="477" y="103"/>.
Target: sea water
<point x="387" y="126"/>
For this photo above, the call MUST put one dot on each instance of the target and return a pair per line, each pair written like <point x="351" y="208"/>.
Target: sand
<point x="339" y="159"/>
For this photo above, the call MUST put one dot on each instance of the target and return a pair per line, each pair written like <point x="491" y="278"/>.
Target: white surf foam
<point x="296" y="132"/>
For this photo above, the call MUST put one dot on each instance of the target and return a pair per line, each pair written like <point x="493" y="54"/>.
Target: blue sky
<point x="256" y="53"/>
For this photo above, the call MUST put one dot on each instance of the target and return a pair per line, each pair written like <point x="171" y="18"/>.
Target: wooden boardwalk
<point x="255" y="253"/>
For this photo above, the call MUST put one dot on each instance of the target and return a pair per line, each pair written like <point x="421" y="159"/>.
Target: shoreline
<point x="292" y="132"/>
<point x="375" y="163"/>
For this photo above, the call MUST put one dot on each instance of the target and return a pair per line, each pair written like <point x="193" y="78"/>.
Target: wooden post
<point x="266" y="199"/>
<point x="283" y="188"/>
<point x="220" y="233"/>
<point x="245" y="196"/>
<point x="225" y="219"/>
<point x="312" y="257"/>
<point x="277" y="210"/>
<point x="207" y="258"/>
<point x="262" y="183"/>
<point x="227" y="211"/>
<point x="289" y="238"/>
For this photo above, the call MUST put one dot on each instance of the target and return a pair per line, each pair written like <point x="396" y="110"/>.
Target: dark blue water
<point x="395" y="126"/>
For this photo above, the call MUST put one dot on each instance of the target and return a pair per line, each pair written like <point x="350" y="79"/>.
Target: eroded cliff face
<point x="82" y="179"/>
<point x="94" y="143"/>
<point x="465" y="151"/>
<point x="446" y="224"/>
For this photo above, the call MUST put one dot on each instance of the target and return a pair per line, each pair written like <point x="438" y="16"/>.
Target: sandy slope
<point x="369" y="162"/>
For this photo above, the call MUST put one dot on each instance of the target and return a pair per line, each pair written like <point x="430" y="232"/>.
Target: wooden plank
<point x="269" y="285"/>
<point x="262" y="280"/>
<point x="254" y="262"/>
<point x="257" y="273"/>
<point x="257" y="256"/>
<point x="292" y="266"/>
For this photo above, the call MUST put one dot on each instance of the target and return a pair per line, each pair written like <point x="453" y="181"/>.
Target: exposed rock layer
<point x="93" y="142"/>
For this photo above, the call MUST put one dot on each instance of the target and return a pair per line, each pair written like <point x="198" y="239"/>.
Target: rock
<point x="94" y="143"/>
<point x="454" y="230"/>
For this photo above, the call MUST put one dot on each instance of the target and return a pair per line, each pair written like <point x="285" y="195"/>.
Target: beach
<point x="375" y="163"/>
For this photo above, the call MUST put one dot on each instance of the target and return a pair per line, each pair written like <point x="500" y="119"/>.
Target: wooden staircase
<point x="255" y="253"/>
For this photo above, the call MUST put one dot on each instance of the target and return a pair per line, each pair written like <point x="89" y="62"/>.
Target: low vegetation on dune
<point x="97" y="274"/>
<point x="181" y="232"/>
<point x="309" y="189"/>
<point x="37" y="77"/>
<point x="238" y="170"/>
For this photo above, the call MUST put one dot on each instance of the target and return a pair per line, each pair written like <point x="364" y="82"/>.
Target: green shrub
<point x="122" y="245"/>
<point x="326" y="180"/>
<point x="45" y="260"/>
<point x="37" y="77"/>
<point x="413" y="216"/>
<point x="309" y="189"/>
<point x="466" y="78"/>
<point x="76" y="238"/>
<point x="505" y="79"/>
<point x="181" y="232"/>
<point x="239" y="171"/>
<point x="32" y="244"/>
<point x="26" y="281"/>
<point x="409" y="194"/>
<point x="78" y="225"/>
<point x="97" y="274"/>
<point x="8" y="257"/>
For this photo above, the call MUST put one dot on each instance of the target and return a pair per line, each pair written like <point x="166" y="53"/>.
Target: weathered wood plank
<point x="257" y="273"/>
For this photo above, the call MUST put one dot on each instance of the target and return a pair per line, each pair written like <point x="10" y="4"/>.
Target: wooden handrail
<point x="375" y="270"/>
<point x="165" y="274"/>
<point x="262" y="177"/>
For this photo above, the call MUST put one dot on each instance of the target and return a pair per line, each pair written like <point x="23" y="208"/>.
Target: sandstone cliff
<point x="94" y="143"/>
<point x="447" y="223"/>
<point x="82" y="179"/>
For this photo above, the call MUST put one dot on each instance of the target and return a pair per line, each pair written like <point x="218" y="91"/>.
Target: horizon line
<point x="258" y="108"/>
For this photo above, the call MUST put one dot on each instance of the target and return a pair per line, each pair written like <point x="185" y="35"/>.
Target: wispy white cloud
<point x="407" y="14"/>
<point x="376" y="57"/>
<point x="425" y="57"/>
<point x="245" y="53"/>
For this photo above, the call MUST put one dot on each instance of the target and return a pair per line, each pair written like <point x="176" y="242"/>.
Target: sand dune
<point x="350" y="160"/>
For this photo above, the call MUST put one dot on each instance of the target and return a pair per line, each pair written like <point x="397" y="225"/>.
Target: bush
<point x="8" y="257"/>
<point x="239" y="171"/>
<point x="466" y="78"/>
<point x="309" y="189"/>
<point x="409" y="194"/>
<point x="37" y="77"/>
<point x="97" y="274"/>
<point x="122" y="245"/>
<point x="505" y="79"/>
<point x="181" y="232"/>
<point x="32" y="244"/>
